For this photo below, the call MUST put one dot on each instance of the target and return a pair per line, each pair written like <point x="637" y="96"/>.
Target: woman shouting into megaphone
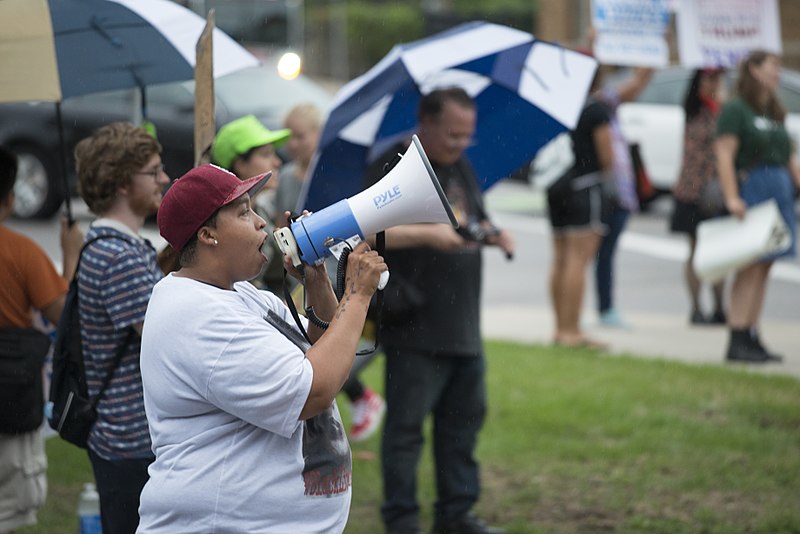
<point x="240" y="406"/>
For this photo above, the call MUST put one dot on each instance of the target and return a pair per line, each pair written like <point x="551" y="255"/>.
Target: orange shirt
<point x="28" y="279"/>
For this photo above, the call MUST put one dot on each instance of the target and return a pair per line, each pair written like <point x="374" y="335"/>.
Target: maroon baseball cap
<point x="195" y="196"/>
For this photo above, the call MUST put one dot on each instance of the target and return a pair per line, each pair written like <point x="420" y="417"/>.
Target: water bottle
<point x="89" y="510"/>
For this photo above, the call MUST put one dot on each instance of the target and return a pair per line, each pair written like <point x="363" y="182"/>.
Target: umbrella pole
<point x="62" y="160"/>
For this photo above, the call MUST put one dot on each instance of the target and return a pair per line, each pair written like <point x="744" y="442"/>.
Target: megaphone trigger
<point x="383" y="280"/>
<point x="287" y="244"/>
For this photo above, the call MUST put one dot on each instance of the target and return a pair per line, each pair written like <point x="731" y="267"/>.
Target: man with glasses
<point x="434" y="353"/>
<point x="121" y="178"/>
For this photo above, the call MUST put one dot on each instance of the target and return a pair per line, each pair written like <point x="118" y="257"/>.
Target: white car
<point x="655" y="121"/>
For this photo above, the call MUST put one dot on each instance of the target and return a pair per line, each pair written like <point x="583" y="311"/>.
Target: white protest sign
<point x="719" y="33"/>
<point x="631" y="32"/>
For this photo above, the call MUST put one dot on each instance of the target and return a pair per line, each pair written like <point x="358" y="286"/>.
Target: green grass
<point x="576" y="442"/>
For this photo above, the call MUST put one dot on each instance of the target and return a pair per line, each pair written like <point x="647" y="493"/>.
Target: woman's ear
<point x="205" y="235"/>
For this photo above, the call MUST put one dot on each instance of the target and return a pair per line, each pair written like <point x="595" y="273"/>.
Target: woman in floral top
<point x="698" y="177"/>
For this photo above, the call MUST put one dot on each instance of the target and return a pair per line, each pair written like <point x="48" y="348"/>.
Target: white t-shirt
<point x="223" y="392"/>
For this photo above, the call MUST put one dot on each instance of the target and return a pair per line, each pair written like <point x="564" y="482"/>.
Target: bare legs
<point x="572" y="253"/>
<point x="747" y="296"/>
<point x="694" y="285"/>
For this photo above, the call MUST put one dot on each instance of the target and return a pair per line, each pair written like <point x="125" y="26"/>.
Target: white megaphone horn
<point x="410" y="193"/>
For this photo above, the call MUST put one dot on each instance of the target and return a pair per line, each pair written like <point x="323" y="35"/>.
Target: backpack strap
<point x="121" y="349"/>
<point x="117" y="358"/>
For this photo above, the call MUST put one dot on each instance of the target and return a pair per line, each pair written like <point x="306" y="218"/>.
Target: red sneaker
<point x="367" y="413"/>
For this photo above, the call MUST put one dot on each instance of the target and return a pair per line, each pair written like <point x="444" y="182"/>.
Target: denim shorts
<point x="772" y="181"/>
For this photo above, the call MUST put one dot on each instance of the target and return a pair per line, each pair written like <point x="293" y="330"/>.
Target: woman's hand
<point x="307" y="274"/>
<point x="736" y="206"/>
<point x="364" y="268"/>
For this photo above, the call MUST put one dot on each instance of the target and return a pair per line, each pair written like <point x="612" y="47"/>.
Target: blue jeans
<point x="452" y="388"/>
<point x="604" y="263"/>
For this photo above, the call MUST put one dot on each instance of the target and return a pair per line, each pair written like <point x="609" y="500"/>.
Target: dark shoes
<point x="716" y="318"/>
<point x="745" y="346"/>
<point x="467" y="524"/>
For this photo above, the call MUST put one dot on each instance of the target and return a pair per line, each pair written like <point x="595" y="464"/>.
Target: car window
<point x="668" y="92"/>
<point x="261" y="91"/>
<point x="790" y="98"/>
<point x="105" y="100"/>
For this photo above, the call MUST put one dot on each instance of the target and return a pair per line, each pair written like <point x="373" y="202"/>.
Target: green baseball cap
<point x="242" y="135"/>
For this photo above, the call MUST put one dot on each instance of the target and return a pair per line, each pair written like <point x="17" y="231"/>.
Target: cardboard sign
<point x="631" y="32"/>
<point x="719" y="33"/>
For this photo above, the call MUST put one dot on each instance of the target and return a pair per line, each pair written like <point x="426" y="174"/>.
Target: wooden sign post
<point x="204" y="123"/>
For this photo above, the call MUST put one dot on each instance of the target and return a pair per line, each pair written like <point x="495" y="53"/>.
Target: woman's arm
<point x="601" y="136"/>
<point x="725" y="148"/>
<point x="319" y="295"/>
<point x="633" y="86"/>
<point x="794" y="170"/>
<point x="332" y="355"/>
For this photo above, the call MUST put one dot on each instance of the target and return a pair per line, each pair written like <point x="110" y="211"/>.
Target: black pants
<point x="452" y="388"/>
<point x="119" y="483"/>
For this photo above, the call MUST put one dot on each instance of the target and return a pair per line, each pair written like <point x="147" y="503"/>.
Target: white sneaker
<point x="367" y="413"/>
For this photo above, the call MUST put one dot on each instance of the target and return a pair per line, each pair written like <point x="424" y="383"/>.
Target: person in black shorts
<point x="578" y="212"/>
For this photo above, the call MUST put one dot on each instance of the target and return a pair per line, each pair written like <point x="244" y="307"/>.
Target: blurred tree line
<point x="344" y="38"/>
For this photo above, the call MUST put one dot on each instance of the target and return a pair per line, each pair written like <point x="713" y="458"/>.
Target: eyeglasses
<point x="155" y="173"/>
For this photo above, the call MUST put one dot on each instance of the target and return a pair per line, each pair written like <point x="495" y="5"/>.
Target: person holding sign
<point x="755" y="163"/>
<point x="621" y="193"/>
<point x="620" y="182"/>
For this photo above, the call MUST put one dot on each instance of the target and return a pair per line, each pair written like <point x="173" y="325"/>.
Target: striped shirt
<point x="115" y="282"/>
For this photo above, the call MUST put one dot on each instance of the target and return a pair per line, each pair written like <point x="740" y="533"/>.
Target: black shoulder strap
<point x="121" y="349"/>
<point x="117" y="358"/>
<point x="286" y="329"/>
<point x="287" y="296"/>
<point x="471" y="187"/>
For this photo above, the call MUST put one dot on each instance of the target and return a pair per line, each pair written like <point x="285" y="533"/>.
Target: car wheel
<point x="38" y="190"/>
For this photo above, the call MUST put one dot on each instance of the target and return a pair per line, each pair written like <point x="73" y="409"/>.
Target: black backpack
<point x="72" y="413"/>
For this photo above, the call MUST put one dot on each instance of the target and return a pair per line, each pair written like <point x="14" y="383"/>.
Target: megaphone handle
<point x="380" y="244"/>
<point x="383" y="280"/>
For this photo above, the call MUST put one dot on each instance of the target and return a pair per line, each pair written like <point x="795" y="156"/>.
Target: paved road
<point x="650" y="290"/>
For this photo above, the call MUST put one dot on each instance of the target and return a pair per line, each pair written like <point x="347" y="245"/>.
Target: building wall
<point x="790" y="32"/>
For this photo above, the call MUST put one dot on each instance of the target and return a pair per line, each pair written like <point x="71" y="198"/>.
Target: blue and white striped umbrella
<point x="527" y="91"/>
<point x="55" y="49"/>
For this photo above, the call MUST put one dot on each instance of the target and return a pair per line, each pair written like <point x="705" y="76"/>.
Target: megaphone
<point x="410" y="193"/>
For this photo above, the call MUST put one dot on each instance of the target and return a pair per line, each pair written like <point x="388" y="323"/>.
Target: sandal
<point x="581" y="342"/>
